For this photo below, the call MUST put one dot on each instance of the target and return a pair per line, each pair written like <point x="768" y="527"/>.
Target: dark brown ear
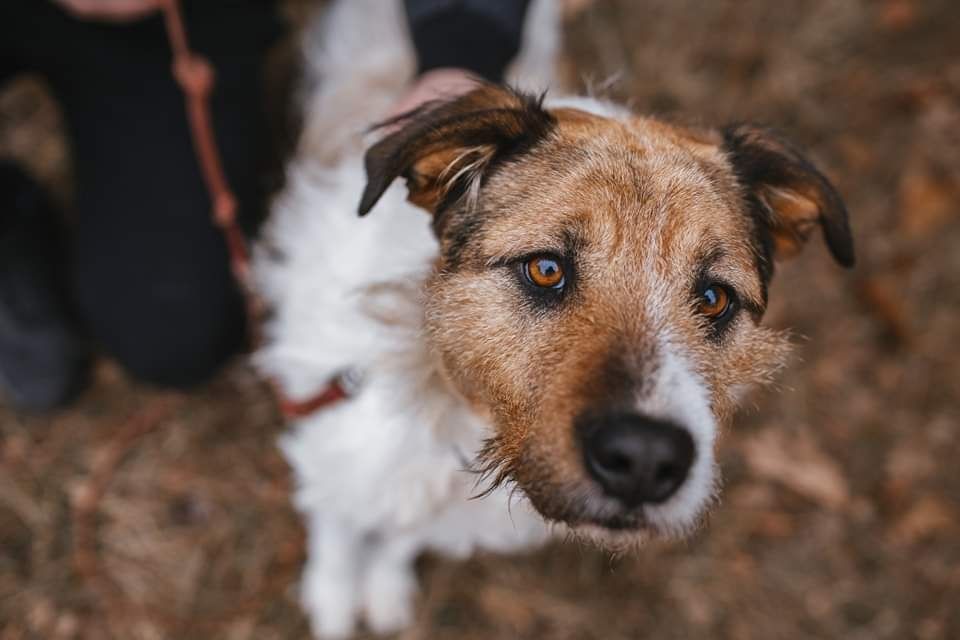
<point x="788" y="196"/>
<point x="444" y="150"/>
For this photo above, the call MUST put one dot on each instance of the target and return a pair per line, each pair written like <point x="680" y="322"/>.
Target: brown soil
<point x="841" y="512"/>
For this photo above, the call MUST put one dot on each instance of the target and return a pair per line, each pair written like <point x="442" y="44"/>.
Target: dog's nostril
<point x="637" y="459"/>
<point x="616" y="462"/>
<point x="666" y="472"/>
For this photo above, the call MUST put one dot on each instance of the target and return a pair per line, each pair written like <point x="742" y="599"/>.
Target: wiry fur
<point x="462" y="433"/>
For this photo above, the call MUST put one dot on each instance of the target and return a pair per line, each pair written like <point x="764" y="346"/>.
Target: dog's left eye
<point x="545" y="272"/>
<point x="716" y="302"/>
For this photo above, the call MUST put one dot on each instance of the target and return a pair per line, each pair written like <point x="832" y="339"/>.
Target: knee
<point x="172" y="329"/>
<point x="181" y="352"/>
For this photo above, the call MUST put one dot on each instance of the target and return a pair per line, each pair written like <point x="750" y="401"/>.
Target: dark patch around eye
<point x="720" y="325"/>
<point x="707" y="275"/>
<point x="544" y="297"/>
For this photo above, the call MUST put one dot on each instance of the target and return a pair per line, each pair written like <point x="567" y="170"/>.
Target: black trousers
<point x="148" y="271"/>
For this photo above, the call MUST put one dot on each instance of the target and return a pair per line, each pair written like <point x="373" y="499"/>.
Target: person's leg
<point x="150" y="271"/>
<point x="43" y="357"/>
<point x="43" y="360"/>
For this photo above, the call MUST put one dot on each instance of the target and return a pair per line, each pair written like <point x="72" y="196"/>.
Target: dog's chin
<point x="599" y="520"/>
<point x="628" y="533"/>
<point x="612" y="540"/>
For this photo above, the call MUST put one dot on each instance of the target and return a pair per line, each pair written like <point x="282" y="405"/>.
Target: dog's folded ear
<point x="444" y="150"/>
<point x="787" y="195"/>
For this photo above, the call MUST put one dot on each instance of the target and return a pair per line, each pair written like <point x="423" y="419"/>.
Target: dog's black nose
<point x="635" y="458"/>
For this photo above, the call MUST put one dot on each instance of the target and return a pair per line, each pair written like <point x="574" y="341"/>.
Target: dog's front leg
<point x="389" y="583"/>
<point x="330" y="586"/>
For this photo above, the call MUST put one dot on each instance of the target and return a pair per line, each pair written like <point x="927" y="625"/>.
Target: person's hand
<point x="110" y="10"/>
<point x="437" y="84"/>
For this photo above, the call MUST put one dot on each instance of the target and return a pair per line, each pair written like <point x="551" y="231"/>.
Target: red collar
<point x="326" y="396"/>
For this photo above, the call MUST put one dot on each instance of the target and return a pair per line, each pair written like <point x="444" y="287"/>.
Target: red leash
<point x="196" y="78"/>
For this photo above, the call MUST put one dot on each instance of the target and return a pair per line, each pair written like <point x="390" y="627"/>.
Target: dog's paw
<point x="331" y="605"/>
<point x="388" y="598"/>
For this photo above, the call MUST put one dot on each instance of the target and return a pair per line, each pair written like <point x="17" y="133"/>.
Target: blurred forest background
<point x="840" y="516"/>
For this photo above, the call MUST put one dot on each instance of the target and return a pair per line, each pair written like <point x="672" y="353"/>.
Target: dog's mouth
<point x="587" y="512"/>
<point x="615" y="520"/>
<point x="619" y="530"/>
<point x="624" y="522"/>
<point x="614" y="532"/>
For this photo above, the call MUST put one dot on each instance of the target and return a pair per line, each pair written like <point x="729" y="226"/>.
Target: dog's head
<point x="599" y="291"/>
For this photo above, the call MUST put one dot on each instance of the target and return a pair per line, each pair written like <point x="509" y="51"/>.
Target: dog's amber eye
<point x="714" y="302"/>
<point x="545" y="272"/>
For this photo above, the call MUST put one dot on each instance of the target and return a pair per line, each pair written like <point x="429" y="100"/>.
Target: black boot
<point x="43" y="360"/>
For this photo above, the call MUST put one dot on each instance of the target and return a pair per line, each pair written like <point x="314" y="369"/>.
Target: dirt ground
<point x="841" y="509"/>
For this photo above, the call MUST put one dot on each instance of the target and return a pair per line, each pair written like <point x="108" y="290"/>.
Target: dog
<point x="556" y="314"/>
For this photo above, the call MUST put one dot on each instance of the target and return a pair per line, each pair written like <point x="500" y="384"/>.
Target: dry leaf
<point x="897" y="15"/>
<point x="927" y="517"/>
<point x="798" y="464"/>
<point x="907" y="464"/>
<point x="927" y="202"/>
<point x="503" y="604"/>
<point x="880" y="296"/>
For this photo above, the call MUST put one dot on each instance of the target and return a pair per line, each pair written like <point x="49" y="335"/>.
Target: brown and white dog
<point x="572" y="321"/>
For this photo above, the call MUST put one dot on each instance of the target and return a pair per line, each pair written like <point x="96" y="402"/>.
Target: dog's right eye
<point x="718" y="304"/>
<point x="545" y="272"/>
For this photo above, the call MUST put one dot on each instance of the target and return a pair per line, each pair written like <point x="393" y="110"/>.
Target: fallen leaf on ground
<point x="897" y="15"/>
<point x="926" y="202"/>
<point x="797" y="463"/>
<point x="880" y="296"/>
<point x="927" y="517"/>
